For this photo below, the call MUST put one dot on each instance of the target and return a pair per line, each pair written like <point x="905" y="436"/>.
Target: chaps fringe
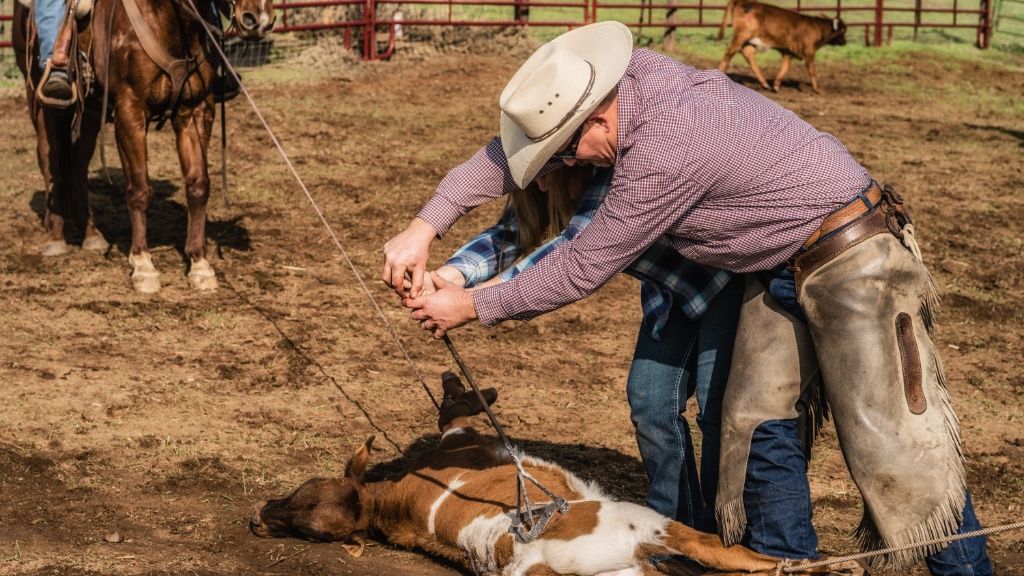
<point x="732" y="520"/>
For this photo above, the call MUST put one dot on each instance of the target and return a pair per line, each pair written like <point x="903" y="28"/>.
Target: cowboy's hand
<point x="449" y="307"/>
<point x="449" y="273"/>
<point x="407" y="253"/>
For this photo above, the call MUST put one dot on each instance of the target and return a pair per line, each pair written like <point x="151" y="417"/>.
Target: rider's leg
<point x="54" y="46"/>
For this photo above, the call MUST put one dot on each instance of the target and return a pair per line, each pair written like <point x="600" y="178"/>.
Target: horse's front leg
<point x="131" y="129"/>
<point x="50" y="150"/>
<point x="192" y="128"/>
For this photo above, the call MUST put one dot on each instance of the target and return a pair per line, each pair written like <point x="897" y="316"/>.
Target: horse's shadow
<point x="166" y="218"/>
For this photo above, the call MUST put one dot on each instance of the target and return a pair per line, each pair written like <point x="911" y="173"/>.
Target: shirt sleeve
<point x="649" y="194"/>
<point x="482" y="178"/>
<point x="480" y="258"/>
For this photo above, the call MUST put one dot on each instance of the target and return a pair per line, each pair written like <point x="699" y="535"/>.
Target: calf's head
<point x="321" y="509"/>
<point x="838" y="36"/>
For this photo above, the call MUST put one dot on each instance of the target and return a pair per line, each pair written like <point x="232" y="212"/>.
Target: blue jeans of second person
<point x="964" y="558"/>
<point x="691" y="358"/>
<point x="48" y="16"/>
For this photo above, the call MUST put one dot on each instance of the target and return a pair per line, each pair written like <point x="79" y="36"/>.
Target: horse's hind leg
<point x="83" y="150"/>
<point x="130" y="122"/>
<point x="192" y="128"/>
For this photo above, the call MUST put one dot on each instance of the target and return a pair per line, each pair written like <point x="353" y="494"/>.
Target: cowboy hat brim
<point x="608" y="47"/>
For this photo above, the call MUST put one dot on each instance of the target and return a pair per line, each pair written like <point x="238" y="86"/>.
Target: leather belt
<point x="845" y="215"/>
<point x="888" y="215"/>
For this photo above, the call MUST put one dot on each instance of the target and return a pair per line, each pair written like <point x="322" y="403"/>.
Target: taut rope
<point x="787" y="567"/>
<point x="525" y="525"/>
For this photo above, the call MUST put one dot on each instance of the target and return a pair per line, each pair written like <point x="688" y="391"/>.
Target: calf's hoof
<point x="54" y="248"/>
<point x="145" y="277"/>
<point x="96" y="243"/>
<point x="202" y="276"/>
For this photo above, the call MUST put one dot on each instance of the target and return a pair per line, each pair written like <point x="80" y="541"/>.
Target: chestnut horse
<point x="135" y="63"/>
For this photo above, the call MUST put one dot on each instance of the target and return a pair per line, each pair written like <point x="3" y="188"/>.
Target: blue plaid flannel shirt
<point x="666" y="277"/>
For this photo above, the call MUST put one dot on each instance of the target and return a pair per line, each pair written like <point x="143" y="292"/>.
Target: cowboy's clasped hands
<point x="450" y="306"/>
<point x="407" y="253"/>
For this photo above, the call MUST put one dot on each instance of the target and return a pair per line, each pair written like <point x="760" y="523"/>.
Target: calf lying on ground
<point x="758" y="26"/>
<point x="455" y="502"/>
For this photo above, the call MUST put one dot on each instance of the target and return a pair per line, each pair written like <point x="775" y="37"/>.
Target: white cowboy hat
<point x="555" y="91"/>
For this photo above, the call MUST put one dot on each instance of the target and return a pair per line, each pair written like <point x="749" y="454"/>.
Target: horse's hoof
<point x="54" y="248"/>
<point x="146" y="282"/>
<point x="202" y="276"/>
<point x="96" y="243"/>
<point x="145" y="276"/>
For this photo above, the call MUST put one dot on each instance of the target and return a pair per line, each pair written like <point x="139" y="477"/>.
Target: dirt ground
<point x="166" y="418"/>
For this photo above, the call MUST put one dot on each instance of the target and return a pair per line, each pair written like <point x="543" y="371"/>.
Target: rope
<point x="787" y="567"/>
<point x="316" y="208"/>
<point x="524" y="511"/>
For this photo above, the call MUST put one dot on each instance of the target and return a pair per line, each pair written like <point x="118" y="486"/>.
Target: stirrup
<point x="55" y="102"/>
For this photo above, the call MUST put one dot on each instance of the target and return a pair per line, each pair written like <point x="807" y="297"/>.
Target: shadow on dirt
<point x="166" y="219"/>
<point x="1018" y="134"/>
<point x="620" y="475"/>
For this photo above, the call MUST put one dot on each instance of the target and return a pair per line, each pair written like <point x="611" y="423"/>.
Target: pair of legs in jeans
<point x="693" y="359"/>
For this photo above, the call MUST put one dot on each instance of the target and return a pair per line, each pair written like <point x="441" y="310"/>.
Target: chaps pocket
<point x="911" y="361"/>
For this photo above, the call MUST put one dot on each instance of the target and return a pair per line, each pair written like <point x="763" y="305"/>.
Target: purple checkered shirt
<point x="732" y="179"/>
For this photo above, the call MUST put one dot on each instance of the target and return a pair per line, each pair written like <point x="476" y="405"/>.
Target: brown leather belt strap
<point x="823" y="253"/>
<point x="846" y="214"/>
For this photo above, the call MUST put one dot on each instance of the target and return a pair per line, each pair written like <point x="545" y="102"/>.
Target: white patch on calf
<point x="586" y="490"/>
<point x="609" y="549"/>
<point x="759" y="44"/>
<point x="454" y="485"/>
<point x="478" y="539"/>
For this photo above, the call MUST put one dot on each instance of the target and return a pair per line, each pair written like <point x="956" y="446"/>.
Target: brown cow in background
<point x="758" y="26"/>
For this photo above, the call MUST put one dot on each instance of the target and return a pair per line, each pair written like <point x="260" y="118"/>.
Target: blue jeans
<point x="691" y="358"/>
<point x="963" y="558"/>
<point x="49" y="16"/>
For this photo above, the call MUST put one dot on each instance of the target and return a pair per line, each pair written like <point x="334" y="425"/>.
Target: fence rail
<point x="364" y="22"/>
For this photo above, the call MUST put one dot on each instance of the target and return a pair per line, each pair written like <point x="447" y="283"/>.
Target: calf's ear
<point x="356" y="546"/>
<point x="356" y="466"/>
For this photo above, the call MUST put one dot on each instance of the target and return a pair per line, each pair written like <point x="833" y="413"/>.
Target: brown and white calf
<point x="454" y="501"/>
<point x="758" y="26"/>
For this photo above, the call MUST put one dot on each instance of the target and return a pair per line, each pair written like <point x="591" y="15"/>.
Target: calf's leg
<point x="730" y="52"/>
<point x="786" y="58"/>
<point x="707" y="550"/>
<point x="810" y="72"/>
<point x="748" y="52"/>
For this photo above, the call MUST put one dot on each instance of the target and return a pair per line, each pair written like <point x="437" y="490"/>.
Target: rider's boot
<point x="56" y="89"/>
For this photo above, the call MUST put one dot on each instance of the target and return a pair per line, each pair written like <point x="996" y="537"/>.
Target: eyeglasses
<point x="569" y="152"/>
